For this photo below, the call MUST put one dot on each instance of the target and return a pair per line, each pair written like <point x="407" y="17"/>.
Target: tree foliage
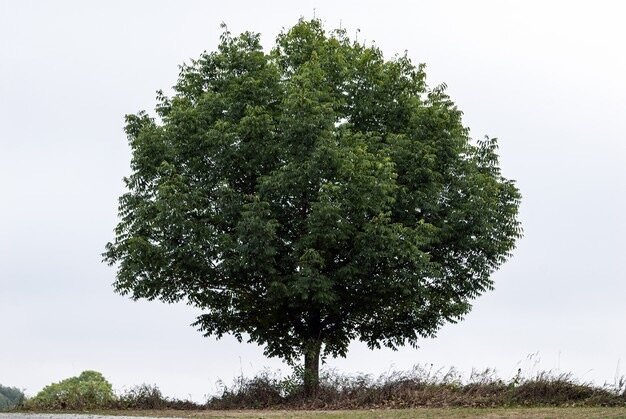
<point x="89" y="390"/>
<point x="311" y="195"/>
<point x="10" y="397"/>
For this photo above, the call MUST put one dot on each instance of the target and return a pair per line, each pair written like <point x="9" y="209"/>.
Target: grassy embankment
<point x="419" y="393"/>
<point x="419" y="413"/>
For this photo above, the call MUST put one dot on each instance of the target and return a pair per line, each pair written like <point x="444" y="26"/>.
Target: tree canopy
<point x="89" y="390"/>
<point x="10" y="397"/>
<point x="309" y="196"/>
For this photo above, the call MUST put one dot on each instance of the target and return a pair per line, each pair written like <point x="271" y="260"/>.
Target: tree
<point x="309" y="196"/>
<point x="10" y="397"/>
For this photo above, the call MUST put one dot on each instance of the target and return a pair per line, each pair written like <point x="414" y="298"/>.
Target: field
<point x="422" y="413"/>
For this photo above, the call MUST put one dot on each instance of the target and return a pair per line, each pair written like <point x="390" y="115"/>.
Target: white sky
<point x="546" y="78"/>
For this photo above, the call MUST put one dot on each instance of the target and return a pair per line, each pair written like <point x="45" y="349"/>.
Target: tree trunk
<point x="312" y="368"/>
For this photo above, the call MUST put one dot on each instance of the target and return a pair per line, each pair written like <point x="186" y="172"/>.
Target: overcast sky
<point x="546" y="78"/>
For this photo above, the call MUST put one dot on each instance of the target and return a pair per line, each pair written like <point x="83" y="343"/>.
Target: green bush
<point x="10" y="397"/>
<point x="87" y="391"/>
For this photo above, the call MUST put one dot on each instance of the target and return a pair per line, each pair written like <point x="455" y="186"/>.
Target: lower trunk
<point x="312" y="368"/>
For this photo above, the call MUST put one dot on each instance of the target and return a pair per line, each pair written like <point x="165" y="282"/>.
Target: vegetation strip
<point x="421" y="413"/>
<point x="419" y="388"/>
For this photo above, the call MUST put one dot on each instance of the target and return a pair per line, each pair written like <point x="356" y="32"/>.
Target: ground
<point x="424" y="413"/>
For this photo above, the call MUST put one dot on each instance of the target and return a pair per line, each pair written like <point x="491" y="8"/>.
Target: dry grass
<point x="421" y="413"/>
<point x="419" y="393"/>
<point x="418" y="388"/>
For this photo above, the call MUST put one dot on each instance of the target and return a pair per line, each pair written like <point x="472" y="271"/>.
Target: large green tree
<point x="309" y="196"/>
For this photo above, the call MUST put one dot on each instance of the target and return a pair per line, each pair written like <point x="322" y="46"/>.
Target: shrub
<point x="419" y="387"/>
<point x="143" y="396"/>
<point x="87" y="391"/>
<point x="263" y="391"/>
<point x="149" y="397"/>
